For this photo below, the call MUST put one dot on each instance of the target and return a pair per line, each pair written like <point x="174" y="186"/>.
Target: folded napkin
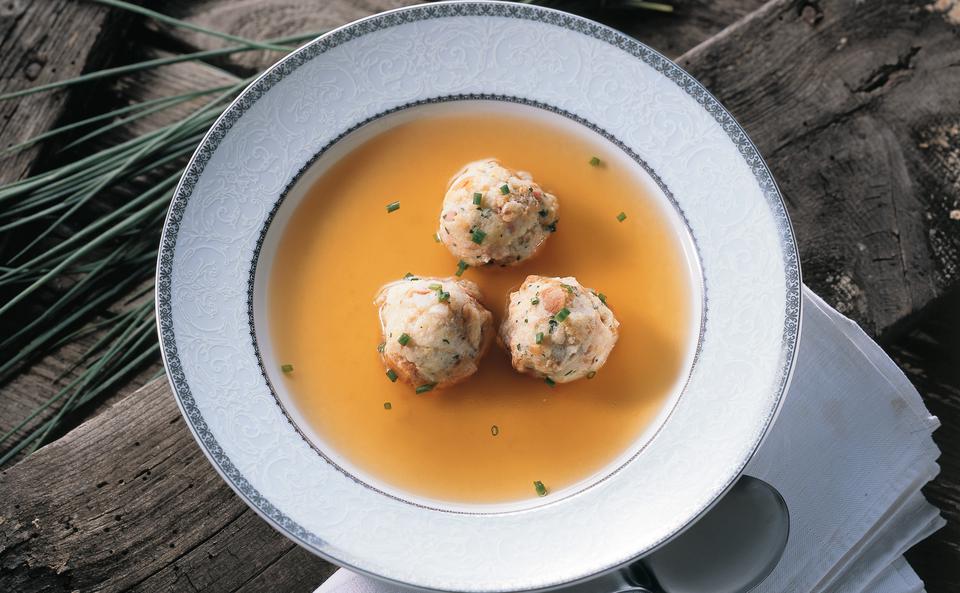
<point x="849" y="452"/>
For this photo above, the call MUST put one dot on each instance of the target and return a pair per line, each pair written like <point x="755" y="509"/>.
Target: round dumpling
<point x="558" y="330"/>
<point x="434" y="330"/>
<point x="494" y="215"/>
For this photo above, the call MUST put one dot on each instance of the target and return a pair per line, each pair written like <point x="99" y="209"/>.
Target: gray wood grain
<point x="854" y="106"/>
<point x="41" y="41"/>
<point x="128" y="502"/>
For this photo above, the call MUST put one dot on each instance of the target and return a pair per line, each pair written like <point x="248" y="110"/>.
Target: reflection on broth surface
<point x="489" y="438"/>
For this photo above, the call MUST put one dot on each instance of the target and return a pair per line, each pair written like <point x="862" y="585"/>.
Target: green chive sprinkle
<point x="594" y="162"/>
<point x="591" y="374"/>
<point x="540" y="488"/>
<point x="534" y="301"/>
<point x="539" y="337"/>
<point x="562" y="314"/>
<point x="443" y="296"/>
<point x="426" y="388"/>
<point x="621" y="217"/>
<point x="602" y="297"/>
<point x="381" y="346"/>
<point x="387" y="406"/>
<point x="542" y="213"/>
<point x="392" y="376"/>
<point x="435" y="287"/>
<point x="504" y="189"/>
<point x="462" y="267"/>
<point x="287" y="368"/>
<point x="436" y="237"/>
<point x="478" y="236"/>
<point x="549" y="381"/>
<point x="404" y="339"/>
<point x="393" y="206"/>
<point x="494" y="430"/>
<point x="476" y="198"/>
<point x="409" y="276"/>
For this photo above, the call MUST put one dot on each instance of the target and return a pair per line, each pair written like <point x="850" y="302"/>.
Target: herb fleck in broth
<point x="341" y="246"/>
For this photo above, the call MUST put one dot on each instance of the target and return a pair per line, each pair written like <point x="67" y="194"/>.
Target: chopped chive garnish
<point x="534" y="301"/>
<point x="435" y="287"/>
<point x="591" y="374"/>
<point x="462" y="267"/>
<point x="601" y="296"/>
<point x="404" y="339"/>
<point x="476" y="198"/>
<point x="569" y="288"/>
<point x="539" y="337"/>
<point x="393" y="206"/>
<point x="549" y="381"/>
<point x="443" y="296"/>
<point x="381" y="346"/>
<point x="387" y="406"/>
<point x="287" y="368"/>
<point x="562" y="314"/>
<point x="392" y="376"/>
<point x="426" y="388"/>
<point x="409" y="276"/>
<point x="494" y="430"/>
<point x="436" y="237"/>
<point x="478" y="236"/>
<point x="540" y="488"/>
<point x="552" y="227"/>
<point x="594" y="162"/>
<point x="621" y="217"/>
<point x="504" y="189"/>
<point x="542" y="213"/>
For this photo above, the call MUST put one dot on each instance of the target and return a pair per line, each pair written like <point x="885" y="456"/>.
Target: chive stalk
<point x="540" y="488"/>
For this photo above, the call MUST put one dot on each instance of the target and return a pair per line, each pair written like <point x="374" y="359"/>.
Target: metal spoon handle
<point x="731" y="549"/>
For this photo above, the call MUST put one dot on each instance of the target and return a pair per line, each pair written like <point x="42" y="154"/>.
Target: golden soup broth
<point x="341" y="245"/>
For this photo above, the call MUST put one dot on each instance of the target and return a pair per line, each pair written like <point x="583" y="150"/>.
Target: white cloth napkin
<point x="849" y="452"/>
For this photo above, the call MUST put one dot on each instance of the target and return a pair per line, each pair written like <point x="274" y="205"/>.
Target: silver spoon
<point x="731" y="549"/>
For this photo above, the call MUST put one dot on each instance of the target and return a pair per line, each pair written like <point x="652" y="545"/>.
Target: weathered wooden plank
<point x="692" y="22"/>
<point x="930" y="355"/>
<point x="264" y="19"/>
<point x="41" y="42"/>
<point x="128" y="501"/>
<point x="854" y="106"/>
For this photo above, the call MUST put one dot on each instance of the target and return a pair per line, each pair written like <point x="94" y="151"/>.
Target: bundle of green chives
<point x="99" y="258"/>
<point x="98" y="250"/>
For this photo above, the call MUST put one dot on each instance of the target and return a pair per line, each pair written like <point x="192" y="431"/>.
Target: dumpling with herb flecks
<point x="558" y="330"/>
<point x="495" y="215"/>
<point x="435" y="330"/>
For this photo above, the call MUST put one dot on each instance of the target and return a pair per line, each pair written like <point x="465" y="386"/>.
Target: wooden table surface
<point x="855" y="106"/>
